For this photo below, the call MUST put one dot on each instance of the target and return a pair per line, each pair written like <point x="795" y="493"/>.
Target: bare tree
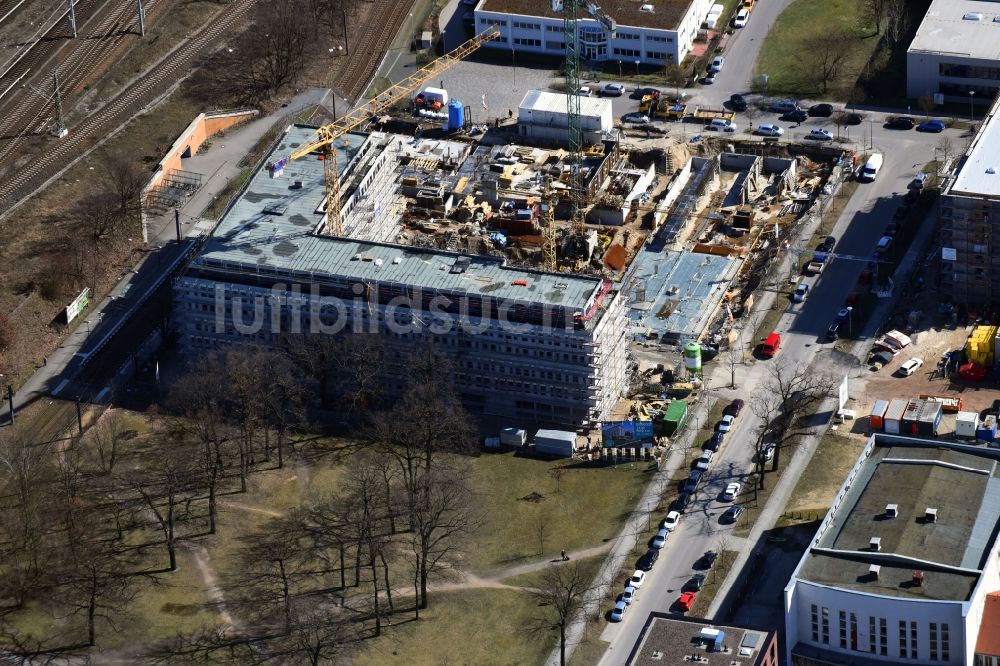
<point x="124" y="180"/>
<point x="734" y="357"/>
<point x="161" y="490"/>
<point x="541" y="528"/>
<point x="824" y="56"/>
<point x="873" y="13"/>
<point x="560" y="594"/>
<point x="104" y="437"/>
<point x="97" y="586"/>
<point x="674" y="76"/>
<point x="750" y="113"/>
<point x="897" y="19"/>
<point x="7" y="334"/>
<point x="271" y="562"/>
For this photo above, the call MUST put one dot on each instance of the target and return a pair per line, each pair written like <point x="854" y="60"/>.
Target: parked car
<point x="642" y="92"/>
<point x="901" y="212"/>
<point x="612" y="90"/>
<point x="670" y="522"/>
<point x="686" y="600"/>
<point x="931" y="126"/>
<point x="734" y="408"/>
<point x="682" y="502"/>
<point x="879" y="360"/>
<point x="715" y="443"/>
<point x="796" y="116"/>
<point x="707" y="560"/>
<point x="704" y="460"/>
<point x="800" y="293"/>
<point x="720" y="125"/>
<point x="708" y="79"/>
<point x="918" y="181"/>
<point x="737" y="102"/>
<point x="819" y="134"/>
<point x="732" y="514"/>
<point x="660" y="539"/>
<point x="618" y="612"/>
<point x="628" y="596"/>
<point x="821" y="110"/>
<point x="647" y="561"/>
<point x="827" y="245"/>
<point x="890" y="229"/>
<point x="769" y="130"/>
<point x="783" y="106"/>
<point x="852" y="118"/>
<point x="726" y="422"/>
<point x="717" y="63"/>
<point x="768" y="452"/>
<point x="900" y="123"/>
<point x="909" y="367"/>
<point x="584" y="91"/>
<point x="637" y="579"/>
<point x="691" y="483"/>
<point x="731" y="491"/>
<point x="634" y="117"/>
<point x="741" y="19"/>
<point x="696" y="582"/>
<point x="911" y="196"/>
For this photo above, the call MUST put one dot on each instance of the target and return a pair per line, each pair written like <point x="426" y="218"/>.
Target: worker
<point x="510" y="113"/>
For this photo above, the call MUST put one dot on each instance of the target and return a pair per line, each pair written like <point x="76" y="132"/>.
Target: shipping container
<point x="513" y="437"/>
<point x="987" y="430"/>
<point x="910" y="416"/>
<point x="928" y="419"/>
<point x="893" y="418"/>
<point x="966" y="424"/>
<point x="674" y="417"/>
<point x="555" y="442"/>
<point x="877" y="414"/>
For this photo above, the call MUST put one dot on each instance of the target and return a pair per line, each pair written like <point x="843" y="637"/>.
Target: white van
<point x="871" y="168"/>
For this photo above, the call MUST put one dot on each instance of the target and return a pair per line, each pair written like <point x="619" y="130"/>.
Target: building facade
<point x="900" y="568"/>
<point x="658" y="37"/>
<point x="524" y="344"/>
<point x="955" y="52"/>
<point x="969" y="217"/>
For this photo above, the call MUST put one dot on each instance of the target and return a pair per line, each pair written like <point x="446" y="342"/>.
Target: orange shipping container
<point x="877" y="414"/>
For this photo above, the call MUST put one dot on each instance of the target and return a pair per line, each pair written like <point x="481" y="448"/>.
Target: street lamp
<point x="620" y="69"/>
<point x="871" y="133"/>
<point x="637" y="62"/>
<point x="972" y="94"/>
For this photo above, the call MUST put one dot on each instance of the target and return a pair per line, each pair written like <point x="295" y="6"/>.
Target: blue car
<point x="931" y="126"/>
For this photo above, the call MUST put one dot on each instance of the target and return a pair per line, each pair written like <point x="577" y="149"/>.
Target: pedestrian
<point x="564" y="557"/>
<point x="647" y="132"/>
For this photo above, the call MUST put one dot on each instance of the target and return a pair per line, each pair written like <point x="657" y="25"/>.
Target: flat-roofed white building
<point x="956" y="51"/>
<point x="652" y="32"/>
<point x="544" y="115"/>
<point x="900" y="568"/>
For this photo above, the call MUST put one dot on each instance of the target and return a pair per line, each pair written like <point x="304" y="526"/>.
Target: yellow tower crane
<point x="325" y="136"/>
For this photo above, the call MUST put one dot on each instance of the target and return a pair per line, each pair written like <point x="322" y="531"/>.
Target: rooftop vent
<point x="918" y="578"/>
<point x="991" y="170"/>
<point x="891" y="510"/>
<point x="930" y="515"/>
<point x="646" y="8"/>
<point x="973" y="16"/>
<point x="873" y="570"/>
<point x="996" y="19"/>
<point x="875" y="543"/>
<point x="297" y="185"/>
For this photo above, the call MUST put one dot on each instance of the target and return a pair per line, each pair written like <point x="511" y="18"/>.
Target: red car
<point x="686" y="600"/>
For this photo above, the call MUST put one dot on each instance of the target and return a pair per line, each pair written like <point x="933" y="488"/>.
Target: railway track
<point x="103" y="122"/>
<point x="367" y="52"/>
<point x="8" y="7"/>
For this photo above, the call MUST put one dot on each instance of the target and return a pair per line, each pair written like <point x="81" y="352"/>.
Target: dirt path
<point x="201" y="558"/>
<point x="530" y="567"/>
<point x="247" y="507"/>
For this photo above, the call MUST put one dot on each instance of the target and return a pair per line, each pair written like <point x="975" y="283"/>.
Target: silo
<point x="456" y="115"/>
<point x="692" y="358"/>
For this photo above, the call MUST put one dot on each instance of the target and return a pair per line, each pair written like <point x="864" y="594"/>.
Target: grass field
<point x="789" y="55"/>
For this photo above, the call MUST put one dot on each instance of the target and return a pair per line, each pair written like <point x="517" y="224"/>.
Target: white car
<point x="612" y="90"/>
<point x="637" y="579"/>
<point x="910" y="367"/>
<point x="726" y="423"/>
<point x="619" y="611"/>
<point x="717" y="64"/>
<point x="732" y="490"/>
<point x="640" y="118"/>
<point x="741" y="19"/>
<point x="768" y="452"/>
<point x="670" y="522"/>
<point x="726" y="126"/>
<point x="769" y="130"/>
<point x="820" y="135"/>
<point x="628" y="596"/>
<point x="801" y="292"/>
<point x="584" y="91"/>
<point x="705" y="459"/>
<point x="660" y="540"/>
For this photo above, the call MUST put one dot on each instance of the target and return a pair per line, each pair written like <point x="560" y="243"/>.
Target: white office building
<point x="955" y="52"/>
<point x="546" y="348"/>
<point x="651" y="32"/>
<point x="901" y="567"/>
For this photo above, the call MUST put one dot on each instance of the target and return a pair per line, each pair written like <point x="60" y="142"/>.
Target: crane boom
<point x="324" y="137"/>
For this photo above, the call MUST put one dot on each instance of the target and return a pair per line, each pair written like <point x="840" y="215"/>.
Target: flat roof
<point x="270" y="227"/>
<point x="666" y="14"/>
<point x="542" y="100"/>
<point x="667" y="639"/>
<point x="944" y="29"/>
<point x="979" y="173"/>
<point x="951" y="551"/>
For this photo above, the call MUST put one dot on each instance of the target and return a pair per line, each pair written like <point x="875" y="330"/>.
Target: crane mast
<point x="573" y="116"/>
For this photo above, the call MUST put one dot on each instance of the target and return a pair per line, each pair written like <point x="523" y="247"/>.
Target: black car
<point x="890" y="229"/>
<point x="647" y="561"/>
<point x="737" y="102"/>
<point x="696" y="583"/>
<point x="900" y="123"/>
<point x="901" y="212"/>
<point x="734" y="408"/>
<point x="821" y="110"/>
<point x="716" y="441"/>
<point x="831" y="332"/>
<point x="796" y="116"/>
<point x="682" y="502"/>
<point x="827" y="244"/>
<point x="853" y="118"/>
<point x="707" y="560"/>
<point x="732" y="514"/>
<point x="642" y="92"/>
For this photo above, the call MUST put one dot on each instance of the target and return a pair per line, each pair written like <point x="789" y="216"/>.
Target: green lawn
<point x="585" y="508"/>
<point x="790" y="55"/>
<point x="589" y="566"/>
<point x="483" y="626"/>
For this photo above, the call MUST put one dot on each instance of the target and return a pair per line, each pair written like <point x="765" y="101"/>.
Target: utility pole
<point x="177" y="223"/>
<point x="79" y="415"/>
<point x="10" y="401"/>
<point x="72" y="17"/>
<point x="142" y="18"/>
<point x="61" y="130"/>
